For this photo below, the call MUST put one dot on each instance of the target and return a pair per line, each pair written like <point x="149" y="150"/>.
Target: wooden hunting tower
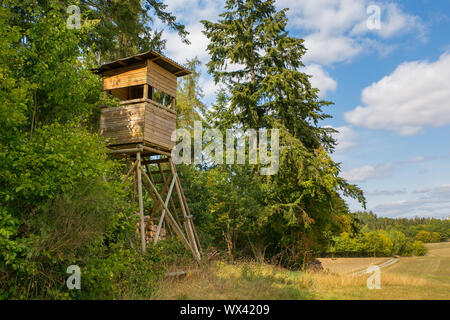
<point x="141" y="130"/>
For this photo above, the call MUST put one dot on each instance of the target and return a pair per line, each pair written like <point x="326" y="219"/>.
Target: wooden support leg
<point x="172" y="221"/>
<point x="189" y="215"/>
<point x="141" y="203"/>
<point x="133" y="196"/>
<point x="161" y="220"/>
<point x="187" y="218"/>
<point x="132" y="169"/>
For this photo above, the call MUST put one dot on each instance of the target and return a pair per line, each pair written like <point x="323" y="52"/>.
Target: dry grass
<point x="412" y="278"/>
<point x="220" y="280"/>
<point x="349" y="265"/>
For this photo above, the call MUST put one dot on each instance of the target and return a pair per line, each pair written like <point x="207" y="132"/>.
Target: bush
<point x="119" y="273"/>
<point x="419" y="249"/>
<point x="400" y="243"/>
<point x="428" y="237"/>
<point x="376" y="243"/>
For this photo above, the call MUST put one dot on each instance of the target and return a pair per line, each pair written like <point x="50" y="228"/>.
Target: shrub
<point x="377" y="244"/>
<point x="419" y="249"/>
<point x="428" y="237"/>
<point x="400" y="243"/>
<point x="119" y="273"/>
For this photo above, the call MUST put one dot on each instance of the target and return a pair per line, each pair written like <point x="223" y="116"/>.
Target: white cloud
<point x="190" y="11"/>
<point x="333" y="31"/>
<point x="435" y="202"/>
<point x="420" y="159"/>
<point x="394" y="23"/>
<point x="327" y="50"/>
<point x="179" y="51"/>
<point x="416" y="95"/>
<point x="336" y="30"/>
<point x="345" y="138"/>
<point x="330" y="16"/>
<point x="367" y="172"/>
<point x="421" y="190"/>
<point x="385" y="192"/>
<point x="320" y="79"/>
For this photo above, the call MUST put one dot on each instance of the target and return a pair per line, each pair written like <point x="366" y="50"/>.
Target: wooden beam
<point x="172" y="204"/>
<point x="141" y="203"/>
<point x="115" y="151"/>
<point x="171" y="220"/>
<point x="160" y="152"/>
<point x="169" y="194"/>
<point x="190" y="215"/>
<point x="133" y="195"/>
<point x="163" y="160"/>
<point x="190" y="232"/>
<point x="145" y="91"/>
<point x="164" y="189"/>
<point x="133" y="167"/>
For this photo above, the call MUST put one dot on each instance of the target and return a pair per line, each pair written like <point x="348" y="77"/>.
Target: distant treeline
<point x="422" y="229"/>
<point x="380" y="236"/>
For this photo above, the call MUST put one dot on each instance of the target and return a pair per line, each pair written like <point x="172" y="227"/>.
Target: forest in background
<point x="61" y="199"/>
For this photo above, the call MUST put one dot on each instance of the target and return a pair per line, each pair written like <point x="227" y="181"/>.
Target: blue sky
<point x="390" y="86"/>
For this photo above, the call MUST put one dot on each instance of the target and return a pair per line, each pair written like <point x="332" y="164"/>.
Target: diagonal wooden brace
<point x="171" y="219"/>
<point x="169" y="194"/>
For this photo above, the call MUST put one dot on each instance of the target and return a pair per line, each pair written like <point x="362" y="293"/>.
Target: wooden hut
<point x="146" y="84"/>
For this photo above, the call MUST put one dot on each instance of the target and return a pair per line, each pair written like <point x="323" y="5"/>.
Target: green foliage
<point x="292" y="215"/>
<point x="265" y="83"/>
<point x="376" y="244"/>
<point x="188" y="103"/>
<point x="119" y="273"/>
<point x="426" y="229"/>
<point x="55" y="159"/>
<point x="61" y="203"/>
<point x="400" y="243"/>
<point x="428" y="237"/>
<point x="419" y="249"/>
<point x="119" y="28"/>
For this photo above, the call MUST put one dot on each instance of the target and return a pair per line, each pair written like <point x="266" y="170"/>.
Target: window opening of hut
<point x="136" y="92"/>
<point x="128" y="93"/>
<point x="162" y="97"/>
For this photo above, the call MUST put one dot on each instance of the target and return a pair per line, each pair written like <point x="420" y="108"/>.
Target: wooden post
<point x="172" y="221"/>
<point x="187" y="218"/>
<point x="185" y="229"/>
<point x="141" y="202"/>
<point x="133" y="195"/>
<point x="169" y="194"/>
<point x="172" y="204"/>
<point x="133" y="167"/>
<point x="145" y="91"/>
<point x="189" y="215"/>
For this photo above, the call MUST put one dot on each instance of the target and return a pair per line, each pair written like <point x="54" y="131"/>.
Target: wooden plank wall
<point x="123" y="124"/>
<point x="159" y="125"/>
<point x="133" y="75"/>
<point x="162" y="79"/>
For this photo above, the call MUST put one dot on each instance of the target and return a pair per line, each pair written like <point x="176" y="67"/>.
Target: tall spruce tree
<point x="190" y="108"/>
<point x="254" y="56"/>
<point x="260" y="65"/>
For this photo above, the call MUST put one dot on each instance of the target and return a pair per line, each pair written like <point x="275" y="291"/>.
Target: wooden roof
<point x="156" y="57"/>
